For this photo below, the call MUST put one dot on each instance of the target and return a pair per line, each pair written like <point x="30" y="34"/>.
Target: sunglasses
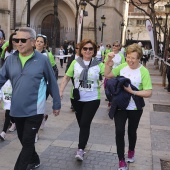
<point x="116" y="45"/>
<point x="41" y="35"/>
<point x="86" y="48"/>
<point x="23" y="40"/>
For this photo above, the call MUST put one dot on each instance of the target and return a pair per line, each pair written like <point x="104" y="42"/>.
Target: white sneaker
<point x="36" y="138"/>
<point x="131" y="157"/>
<point x="12" y="128"/>
<point x="80" y="154"/>
<point x="2" y="135"/>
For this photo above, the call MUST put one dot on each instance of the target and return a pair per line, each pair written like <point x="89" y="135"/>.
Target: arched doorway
<point x="48" y="28"/>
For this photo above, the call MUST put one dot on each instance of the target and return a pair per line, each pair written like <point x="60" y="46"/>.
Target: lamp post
<point x="128" y="33"/>
<point x="103" y="24"/>
<point x="167" y="12"/>
<point x="28" y="13"/>
<point x="160" y="19"/>
<point x="84" y="13"/>
<point x="122" y="26"/>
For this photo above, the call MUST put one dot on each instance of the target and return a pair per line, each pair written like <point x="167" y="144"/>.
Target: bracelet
<point x="134" y="93"/>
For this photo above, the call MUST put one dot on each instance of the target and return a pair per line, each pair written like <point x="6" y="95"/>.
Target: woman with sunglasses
<point x="140" y="78"/>
<point x="6" y="92"/>
<point x="85" y="71"/>
<point x="118" y="59"/>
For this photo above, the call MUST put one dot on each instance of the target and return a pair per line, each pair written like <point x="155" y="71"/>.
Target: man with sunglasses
<point x="28" y="70"/>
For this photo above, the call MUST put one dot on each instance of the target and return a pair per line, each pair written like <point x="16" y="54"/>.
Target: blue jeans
<point x="26" y="129"/>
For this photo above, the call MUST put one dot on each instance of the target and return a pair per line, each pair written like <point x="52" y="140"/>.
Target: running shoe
<point x="131" y="157"/>
<point x="80" y="154"/>
<point x="122" y="165"/>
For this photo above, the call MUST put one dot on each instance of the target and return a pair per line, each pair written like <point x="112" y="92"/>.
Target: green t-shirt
<point x="24" y="59"/>
<point x="5" y="45"/>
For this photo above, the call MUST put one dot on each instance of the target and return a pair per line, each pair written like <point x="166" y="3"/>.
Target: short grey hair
<point x="29" y="30"/>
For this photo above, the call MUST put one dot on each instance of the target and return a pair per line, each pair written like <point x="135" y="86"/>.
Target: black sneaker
<point x="33" y="166"/>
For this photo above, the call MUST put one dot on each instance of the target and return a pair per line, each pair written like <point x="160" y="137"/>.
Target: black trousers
<point x="61" y="62"/>
<point x="120" y="119"/>
<point x="8" y="119"/>
<point x="26" y="130"/>
<point x="85" y="112"/>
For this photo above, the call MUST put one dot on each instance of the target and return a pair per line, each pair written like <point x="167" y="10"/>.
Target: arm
<point x="142" y="93"/>
<point x="108" y="66"/>
<point x="63" y="84"/>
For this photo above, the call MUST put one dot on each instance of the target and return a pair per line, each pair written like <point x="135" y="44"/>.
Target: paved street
<point x="58" y="141"/>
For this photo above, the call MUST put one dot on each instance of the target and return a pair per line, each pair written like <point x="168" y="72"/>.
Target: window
<point x="140" y="22"/>
<point x="136" y="10"/>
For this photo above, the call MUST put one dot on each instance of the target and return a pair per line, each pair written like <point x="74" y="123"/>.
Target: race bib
<point x="89" y="86"/>
<point x="7" y="97"/>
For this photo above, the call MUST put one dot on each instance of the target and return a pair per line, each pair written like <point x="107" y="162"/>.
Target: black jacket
<point x="120" y="98"/>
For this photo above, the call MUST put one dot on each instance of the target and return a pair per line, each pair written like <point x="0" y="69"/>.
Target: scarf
<point x="84" y="74"/>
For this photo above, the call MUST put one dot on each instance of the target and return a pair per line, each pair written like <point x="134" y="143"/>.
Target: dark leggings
<point x="120" y="118"/>
<point x="8" y="119"/>
<point x="85" y="112"/>
<point x="61" y="62"/>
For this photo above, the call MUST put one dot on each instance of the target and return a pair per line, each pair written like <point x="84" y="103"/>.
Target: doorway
<point x="48" y="28"/>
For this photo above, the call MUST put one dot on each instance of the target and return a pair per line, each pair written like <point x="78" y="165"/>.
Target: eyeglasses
<point x="41" y="35"/>
<point x="115" y="45"/>
<point x="23" y="40"/>
<point x="86" y="48"/>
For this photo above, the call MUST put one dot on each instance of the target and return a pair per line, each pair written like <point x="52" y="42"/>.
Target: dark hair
<point x="3" y="34"/>
<point x="44" y="38"/>
<point x="10" y="47"/>
<point x="86" y="41"/>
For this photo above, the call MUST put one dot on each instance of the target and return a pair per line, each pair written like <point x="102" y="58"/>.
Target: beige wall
<point x="66" y="15"/>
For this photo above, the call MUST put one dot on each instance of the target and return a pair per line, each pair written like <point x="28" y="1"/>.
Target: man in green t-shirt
<point x="29" y="76"/>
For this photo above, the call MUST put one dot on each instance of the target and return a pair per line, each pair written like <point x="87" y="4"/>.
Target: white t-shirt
<point x="99" y="55"/>
<point x="61" y="52"/>
<point x="6" y="94"/>
<point x="8" y="54"/>
<point x="93" y="90"/>
<point x="139" y="78"/>
<point x="117" y="60"/>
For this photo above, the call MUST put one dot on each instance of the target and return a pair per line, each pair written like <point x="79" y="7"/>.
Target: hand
<point x="56" y="112"/>
<point x="111" y="55"/>
<point x="128" y="89"/>
<point x="61" y="95"/>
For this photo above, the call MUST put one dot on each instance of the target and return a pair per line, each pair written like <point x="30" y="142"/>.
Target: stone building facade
<point x="13" y="14"/>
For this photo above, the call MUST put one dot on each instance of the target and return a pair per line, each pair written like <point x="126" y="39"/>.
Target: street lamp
<point x="103" y="24"/>
<point x="83" y="8"/>
<point x="128" y="32"/>
<point x="167" y="12"/>
<point x="160" y="19"/>
<point x="28" y="13"/>
<point x="122" y="26"/>
<point x="131" y="35"/>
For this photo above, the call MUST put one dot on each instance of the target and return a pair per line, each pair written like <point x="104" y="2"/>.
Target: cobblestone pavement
<point x="58" y="141"/>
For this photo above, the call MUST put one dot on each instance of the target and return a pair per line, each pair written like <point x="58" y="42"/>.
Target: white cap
<point x="139" y="43"/>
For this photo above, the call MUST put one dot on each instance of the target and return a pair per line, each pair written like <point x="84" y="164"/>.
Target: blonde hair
<point x="135" y="48"/>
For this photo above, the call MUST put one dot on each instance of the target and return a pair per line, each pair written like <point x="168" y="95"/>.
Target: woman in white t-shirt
<point x="99" y="54"/>
<point x="61" y="52"/>
<point x="6" y="92"/>
<point x="140" y="78"/>
<point x="85" y="71"/>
